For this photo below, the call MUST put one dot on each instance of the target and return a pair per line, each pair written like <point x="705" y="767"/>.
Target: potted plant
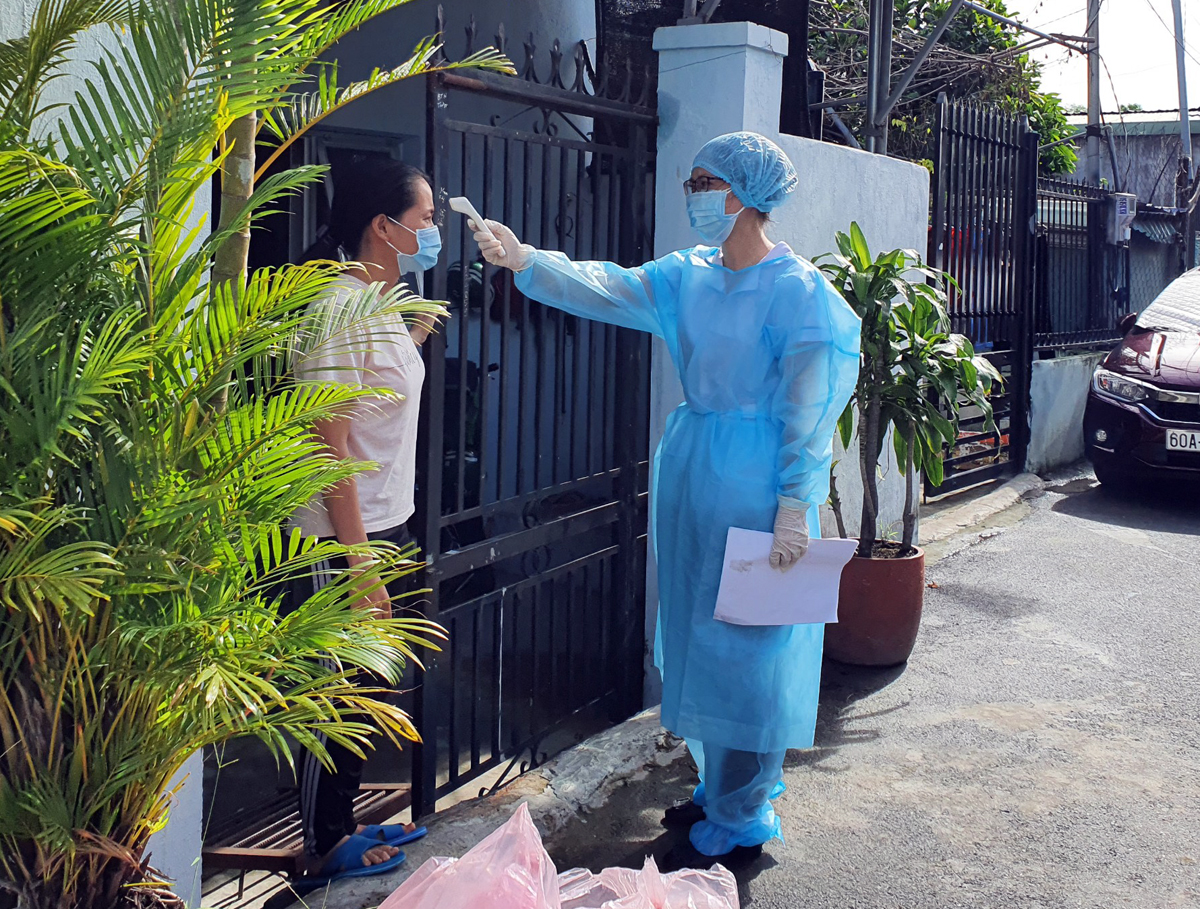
<point x="915" y="377"/>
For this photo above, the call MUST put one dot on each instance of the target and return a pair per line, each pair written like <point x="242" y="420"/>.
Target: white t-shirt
<point x="380" y="354"/>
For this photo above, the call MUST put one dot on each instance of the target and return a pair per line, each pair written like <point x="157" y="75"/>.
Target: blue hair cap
<point x="759" y="172"/>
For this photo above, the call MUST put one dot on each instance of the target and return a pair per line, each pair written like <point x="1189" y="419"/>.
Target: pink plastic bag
<point x="508" y="870"/>
<point x="511" y="870"/>
<point x="624" y="888"/>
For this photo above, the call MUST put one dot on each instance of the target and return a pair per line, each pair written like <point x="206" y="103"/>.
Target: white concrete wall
<point x="176" y="849"/>
<point x="15" y="16"/>
<point x="715" y="79"/>
<point x="1057" y="393"/>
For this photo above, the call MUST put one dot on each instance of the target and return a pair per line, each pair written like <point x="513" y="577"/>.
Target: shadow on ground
<point x="1150" y="506"/>
<point x="627" y="827"/>
<point x="842" y="686"/>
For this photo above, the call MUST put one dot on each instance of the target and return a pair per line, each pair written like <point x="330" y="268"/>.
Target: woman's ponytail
<point x="325" y="247"/>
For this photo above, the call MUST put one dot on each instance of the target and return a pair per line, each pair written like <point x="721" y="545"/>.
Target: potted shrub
<point x="915" y="378"/>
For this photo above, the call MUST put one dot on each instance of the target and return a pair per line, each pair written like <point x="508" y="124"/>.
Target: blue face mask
<point x="706" y="212"/>
<point x="429" y="245"/>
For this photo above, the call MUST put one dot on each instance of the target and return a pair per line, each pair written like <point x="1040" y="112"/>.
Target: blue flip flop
<point x="346" y="862"/>
<point x="392" y="834"/>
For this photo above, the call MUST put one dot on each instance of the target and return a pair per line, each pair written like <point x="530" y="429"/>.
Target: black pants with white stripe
<point x="327" y="797"/>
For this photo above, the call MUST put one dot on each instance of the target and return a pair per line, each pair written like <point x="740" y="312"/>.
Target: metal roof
<point x="1158" y="228"/>
<point x="1131" y="126"/>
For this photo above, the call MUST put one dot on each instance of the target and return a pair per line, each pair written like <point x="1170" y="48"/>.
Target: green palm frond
<point x="151" y="106"/>
<point x="306" y="109"/>
<point x="49" y="226"/>
<point x="68" y="577"/>
<point x="233" y="327"/>
<point x="33" y="577"/>
<point x="321" y="30"/>
<point x="71" y="384"/>
<point x="327" y="328"/>
<point x="189" y="257"/>
<point x="233" y="440"/>
<point x="328" y="25"/>
<point x="28" y="63"/>
<point x="156" y="440"/>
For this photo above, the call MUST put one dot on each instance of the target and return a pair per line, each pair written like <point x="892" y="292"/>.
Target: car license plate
<point x="1183" y="440"/>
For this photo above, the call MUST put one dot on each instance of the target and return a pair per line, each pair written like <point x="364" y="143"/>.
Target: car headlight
<point x="1120" y="387"/>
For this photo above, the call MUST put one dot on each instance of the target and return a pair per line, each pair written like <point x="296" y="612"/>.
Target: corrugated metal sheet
<point x="1157" y="228"/>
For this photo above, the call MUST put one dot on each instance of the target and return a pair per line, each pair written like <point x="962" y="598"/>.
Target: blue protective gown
<point x="768" y="357"/>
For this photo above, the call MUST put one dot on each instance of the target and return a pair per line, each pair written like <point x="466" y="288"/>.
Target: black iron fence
<point x="1036" y="268"/>
<point x="985" y="164"/>
<point x="532" y="493"/>
<point x="534" y="440"/>
<point x="1082" y="280"/>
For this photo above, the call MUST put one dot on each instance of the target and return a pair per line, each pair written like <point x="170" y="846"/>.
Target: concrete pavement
<point x="1041" y="748"/>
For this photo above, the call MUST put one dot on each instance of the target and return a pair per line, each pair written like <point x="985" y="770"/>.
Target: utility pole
<point x="879" y="74"/>
<point x="1092" y="174"/>
<point x="1185" y="127"/>
<point x="1184" y="189"/>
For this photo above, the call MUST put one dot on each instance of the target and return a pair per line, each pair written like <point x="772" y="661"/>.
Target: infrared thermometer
<point x="463" y="206"/>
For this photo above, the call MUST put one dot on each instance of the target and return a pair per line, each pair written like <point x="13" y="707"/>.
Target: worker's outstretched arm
<point x="593" y="290"/>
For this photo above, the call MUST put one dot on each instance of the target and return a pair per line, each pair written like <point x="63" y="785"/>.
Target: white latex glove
<point x="505" y="250"/>
<point x="791" y="537"/>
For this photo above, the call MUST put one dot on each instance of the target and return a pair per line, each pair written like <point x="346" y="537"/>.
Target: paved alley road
<point x="1043" y="746"/>
<point x="1041" y="749"/>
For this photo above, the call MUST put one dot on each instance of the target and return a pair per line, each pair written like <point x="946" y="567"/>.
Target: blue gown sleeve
<point x="818" y="373"/>
<point x="594" y="290"/>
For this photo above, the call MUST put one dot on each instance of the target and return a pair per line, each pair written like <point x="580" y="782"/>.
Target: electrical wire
<point x="1176" y="38"/>
<point x="1042" y="26"/>
<point x="946" y="65"/>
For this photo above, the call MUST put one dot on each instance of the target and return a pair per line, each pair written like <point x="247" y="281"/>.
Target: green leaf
<point x="935" y="471"/>
<point x="306" y="110"/>
<point x="845" y="425"/>
<point x="900" y="445"/>
<point x="858" y="243"/>
<point x="845" y="248"/>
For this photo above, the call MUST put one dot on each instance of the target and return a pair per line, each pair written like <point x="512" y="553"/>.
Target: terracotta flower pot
<point x="879" y="611"/>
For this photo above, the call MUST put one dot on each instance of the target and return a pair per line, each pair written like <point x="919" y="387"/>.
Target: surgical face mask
<point x="429" y="245"/>
<point x="706" y="212"/>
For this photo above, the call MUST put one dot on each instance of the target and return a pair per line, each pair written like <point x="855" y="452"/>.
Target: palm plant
<point x="915" y="378"/>
<point x="153" y="448"/>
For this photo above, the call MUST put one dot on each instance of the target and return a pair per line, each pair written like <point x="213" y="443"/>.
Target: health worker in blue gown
<point x="768" y="355"/>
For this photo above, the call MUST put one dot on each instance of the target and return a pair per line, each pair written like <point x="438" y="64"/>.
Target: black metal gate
<point x="1082" y="279"/>
<point x="533" y="488"/>
<point x="984" y="194"/>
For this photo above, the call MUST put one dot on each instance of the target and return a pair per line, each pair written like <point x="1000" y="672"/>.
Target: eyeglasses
<point x="703" y="185"/>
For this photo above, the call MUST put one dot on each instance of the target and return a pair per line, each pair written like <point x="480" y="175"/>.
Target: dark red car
<point x="1143" y="410"/>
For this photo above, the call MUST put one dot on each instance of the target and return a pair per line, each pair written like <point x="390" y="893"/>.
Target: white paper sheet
<point x="754" y="593"/>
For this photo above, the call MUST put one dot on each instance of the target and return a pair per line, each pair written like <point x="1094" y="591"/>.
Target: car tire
<point x="1111" y="478"/>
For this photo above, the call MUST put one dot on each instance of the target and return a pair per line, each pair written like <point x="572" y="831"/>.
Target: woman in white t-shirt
<point x="382" y="219"/>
